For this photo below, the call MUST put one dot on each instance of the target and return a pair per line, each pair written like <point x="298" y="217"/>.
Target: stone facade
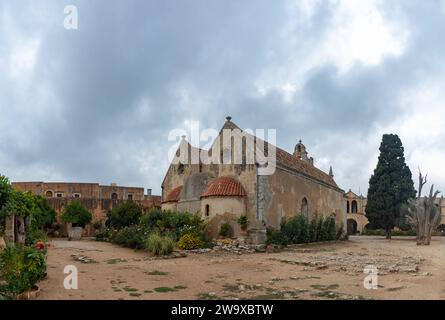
<point x="98" y="199"/>
<point x="295" y="187"/>
<point x="355" y="210"/>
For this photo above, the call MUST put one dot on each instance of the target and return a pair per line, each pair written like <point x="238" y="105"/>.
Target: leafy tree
<point x="42" y="215"/>
<point x="124" y="215"/>
<point x="390" y="186"/>
<point x="76" y="214"/>
<point x="5" y="190"/>
<point x="19" y="203"/>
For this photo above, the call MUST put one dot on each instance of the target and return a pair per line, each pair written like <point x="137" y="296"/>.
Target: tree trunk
<point x="388" y="234"/>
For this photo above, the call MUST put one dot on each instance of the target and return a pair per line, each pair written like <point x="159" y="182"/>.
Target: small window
<point x="49" y="194"/>
<point x="181" y="168"/>
<point x="207" y="211"/>
<point x="76" y="195"/>
<point x="130" y="197"/>
<point x="59" y="194"/>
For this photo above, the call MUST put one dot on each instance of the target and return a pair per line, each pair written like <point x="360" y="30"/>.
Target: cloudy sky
<point x="96" y="104"/>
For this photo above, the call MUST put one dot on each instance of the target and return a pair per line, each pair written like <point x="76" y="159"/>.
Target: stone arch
<point x="49" y="194"/>
<point x="304" y="209"/>
<point x="351" y="226"/>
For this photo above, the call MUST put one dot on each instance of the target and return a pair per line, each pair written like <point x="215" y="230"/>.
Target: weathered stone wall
<point x="221" y="210"/>
<point x="98" y="209"/>
<point x="85" y="190"/>
<point x="284" y="192"/>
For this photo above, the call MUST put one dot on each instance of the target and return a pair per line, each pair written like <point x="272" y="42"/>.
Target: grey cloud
<point x="117" y="84"/>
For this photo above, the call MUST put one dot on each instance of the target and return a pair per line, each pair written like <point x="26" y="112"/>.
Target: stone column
<point x="9" y="229"/>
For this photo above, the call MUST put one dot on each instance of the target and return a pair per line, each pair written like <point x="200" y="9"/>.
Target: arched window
<point x="114" y="196"/>
<point x="347" y="206"/>
<point x="304" y="208"/>
<point x="207" y="211"/>
<point x="49" y="194"/>
<point x="354" y="206"/>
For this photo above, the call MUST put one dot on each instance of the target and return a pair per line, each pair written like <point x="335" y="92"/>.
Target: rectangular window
<point x="130" y="197"/>
<point x="59" y="194"/>
<point x="76" y="195"/>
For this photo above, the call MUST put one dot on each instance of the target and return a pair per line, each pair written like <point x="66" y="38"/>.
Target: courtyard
<point x="322" y="271"/>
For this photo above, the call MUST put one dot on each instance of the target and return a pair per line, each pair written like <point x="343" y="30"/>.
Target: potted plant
<point x="78" y="216"/>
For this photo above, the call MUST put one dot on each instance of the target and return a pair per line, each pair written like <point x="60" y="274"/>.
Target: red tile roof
<point x="224" y="187"/>
<point x="174" y="195"/>
<point x="291" y="162"/>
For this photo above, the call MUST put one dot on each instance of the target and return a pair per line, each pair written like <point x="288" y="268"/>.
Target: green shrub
<point x="225" y="230"/>
<point x="243" y="221"/>
<point x="190" y="242"/>
<point x="21" y="268"/>
<point x="299" y="230"/>
<point x="174" y="224"/>
<point x="131" y="237"/>
<point x="76" y="214"/>
<point x="36" y="235"/>
<point x="159" y="245"/>
<point x="124" y="215"/>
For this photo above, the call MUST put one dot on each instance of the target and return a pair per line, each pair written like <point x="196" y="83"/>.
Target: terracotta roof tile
<point x="174" y="195"/>
<point x="290" y="161"/>
<point x="224" y="187"/>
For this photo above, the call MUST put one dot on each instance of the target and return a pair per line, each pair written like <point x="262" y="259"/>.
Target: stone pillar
<point x="9" y="229"/>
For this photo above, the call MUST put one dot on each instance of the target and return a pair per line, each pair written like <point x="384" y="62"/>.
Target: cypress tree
<point x="390" y="186"/>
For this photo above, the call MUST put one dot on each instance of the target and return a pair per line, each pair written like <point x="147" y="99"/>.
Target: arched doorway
<point x="441" y="229"/>
<point x="352" y="227"/>
<point x="304" y="208"/>
<point x="49" y="194"/>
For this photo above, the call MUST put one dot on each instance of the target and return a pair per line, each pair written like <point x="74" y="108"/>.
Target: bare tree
<point x="423" y="213"/>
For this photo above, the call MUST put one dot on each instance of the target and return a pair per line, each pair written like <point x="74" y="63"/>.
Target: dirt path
<point x="333" y="271"/>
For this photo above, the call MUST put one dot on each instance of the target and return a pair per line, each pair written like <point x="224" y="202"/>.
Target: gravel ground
<point x="325" y="271"/>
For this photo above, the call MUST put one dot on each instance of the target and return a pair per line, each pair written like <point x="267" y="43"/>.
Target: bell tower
<point x="301" y="153"/>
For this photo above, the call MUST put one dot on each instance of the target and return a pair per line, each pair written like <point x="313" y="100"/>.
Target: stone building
<point x="355" y="210"/>
<point x="222" y="192"/>
<point x="98" y="199"/>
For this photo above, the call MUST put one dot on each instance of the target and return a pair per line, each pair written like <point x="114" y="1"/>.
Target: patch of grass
<point x="116" y="260"/>
<point x="395" y="289"/>
<point x="207" y="296"/>
<point x="164" y="289"/>
<point x="180" y="287"/>
<point x="157" y="273"/>
<point x="129" y="289"/>
<point x="148" y="291"/>
<point x="325" y="288"/>
<point x="135" y="294"/>
<point x="326" y="294"/>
